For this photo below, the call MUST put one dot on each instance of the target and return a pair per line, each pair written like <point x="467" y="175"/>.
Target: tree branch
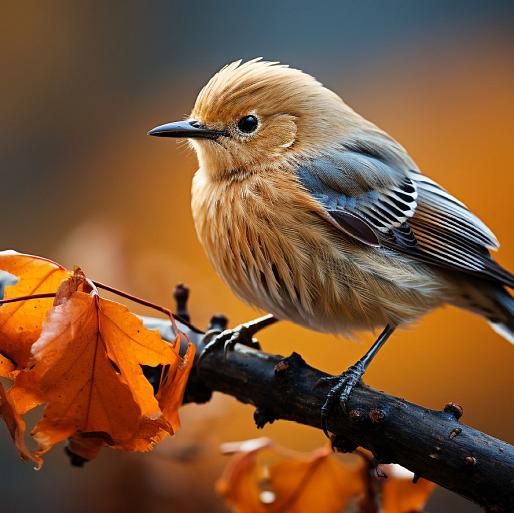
<point x="432" y="444"/>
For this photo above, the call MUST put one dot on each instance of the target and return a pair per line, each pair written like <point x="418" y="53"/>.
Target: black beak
<point x="188" y="128"/>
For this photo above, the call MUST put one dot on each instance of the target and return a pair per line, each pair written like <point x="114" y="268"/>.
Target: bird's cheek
<point x="282" y="133"/>
<point x="280" y="141"/>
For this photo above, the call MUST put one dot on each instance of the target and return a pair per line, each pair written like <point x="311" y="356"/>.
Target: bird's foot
<point x="341" y="388"/>
<point x="227" y="339"/>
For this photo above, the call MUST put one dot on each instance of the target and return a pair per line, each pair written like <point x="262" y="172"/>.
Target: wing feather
<point x="441" y="207"/>
<point x="364" y="186"/>
<point x="364" y="194"/>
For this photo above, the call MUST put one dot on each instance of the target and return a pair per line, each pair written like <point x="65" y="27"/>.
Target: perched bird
<point x="314" y="214"/>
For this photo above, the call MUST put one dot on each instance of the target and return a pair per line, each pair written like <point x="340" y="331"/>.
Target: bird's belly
<point x="337" y="305"/>
<point x="325" y="283"/>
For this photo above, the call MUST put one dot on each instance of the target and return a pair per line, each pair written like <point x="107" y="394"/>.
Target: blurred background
<point x="81" y="183"/>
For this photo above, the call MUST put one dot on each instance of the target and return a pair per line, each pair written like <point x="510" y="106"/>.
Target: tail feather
<point x="503" y="324"/>
<point x="488" y="300"/>
<point x="503" y="330"/>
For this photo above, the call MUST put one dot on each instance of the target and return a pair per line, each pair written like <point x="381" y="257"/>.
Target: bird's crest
<point x="241" y="86"/>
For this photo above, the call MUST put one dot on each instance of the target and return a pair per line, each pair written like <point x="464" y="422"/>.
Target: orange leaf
<point x="297" y="484"/>
<point x="86" y="366"/>
<point x="400" y="494"/>
<point x="20" y="323"/>
<point x="149" y="432"/>
<point x="84" y="447"/>
<point x="240" y="481"/>
<point x="171" y="390"/>
<point x="318" y="482"/>
<point x="16" y="426"/>
<point x="6" y="367"/>
<point x="321" y="483"/>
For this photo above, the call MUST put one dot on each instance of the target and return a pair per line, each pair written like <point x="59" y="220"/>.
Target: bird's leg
<point x="242" y="334"/>
<point x="344" y="383"/>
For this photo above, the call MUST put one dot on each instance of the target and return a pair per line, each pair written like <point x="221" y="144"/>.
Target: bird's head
<point x="256" y="115"/>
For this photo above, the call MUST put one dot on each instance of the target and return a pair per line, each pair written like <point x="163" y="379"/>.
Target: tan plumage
<point x="291" y="263"/>
<point x="320" y="217"/>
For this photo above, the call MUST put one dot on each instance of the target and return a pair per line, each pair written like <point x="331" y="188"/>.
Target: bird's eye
<point x="248" y="124"/>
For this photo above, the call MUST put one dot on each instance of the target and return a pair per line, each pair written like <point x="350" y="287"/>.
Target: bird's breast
<point x="250" y="232"/>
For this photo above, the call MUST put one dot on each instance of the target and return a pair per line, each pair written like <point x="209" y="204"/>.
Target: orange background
<point x="82" y="184"/>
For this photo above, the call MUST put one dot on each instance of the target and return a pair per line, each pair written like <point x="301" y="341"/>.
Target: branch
<point x="432" y="444"/>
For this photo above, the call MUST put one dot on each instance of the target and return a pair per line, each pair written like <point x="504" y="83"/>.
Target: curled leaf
<point x="296" y="484"/>
<point x="16" y="427"/>
<point x="254" y="482"/>
<point x="6" y="367"/>
<point x="400" y="494"/>
<point x="86" y="366"/>
<point x="83" y="447"/>
<point x="173" y="385"/>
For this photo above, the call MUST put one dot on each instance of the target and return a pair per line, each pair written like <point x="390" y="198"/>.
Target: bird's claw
<point x="340" y="390"/>
<point x="227" y="339"/>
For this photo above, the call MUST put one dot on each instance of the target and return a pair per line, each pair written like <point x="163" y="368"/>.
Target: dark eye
<point x="247" y="124"/>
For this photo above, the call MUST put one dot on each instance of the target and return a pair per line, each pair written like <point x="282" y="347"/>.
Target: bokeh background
<point x="81" y="183"/>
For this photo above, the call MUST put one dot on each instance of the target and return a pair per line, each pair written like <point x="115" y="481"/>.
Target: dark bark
<point x="432" y="444"/>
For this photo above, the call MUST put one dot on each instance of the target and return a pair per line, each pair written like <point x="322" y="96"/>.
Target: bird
<point x="315" y="215"/>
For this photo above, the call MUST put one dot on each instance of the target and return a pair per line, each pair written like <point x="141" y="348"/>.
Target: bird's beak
<point x="187" y="129"/>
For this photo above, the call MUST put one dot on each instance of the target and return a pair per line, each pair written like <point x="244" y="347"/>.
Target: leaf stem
<point x="149" y="304"/>
<point x="26" y="298"/>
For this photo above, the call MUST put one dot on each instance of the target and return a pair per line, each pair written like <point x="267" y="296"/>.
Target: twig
<point x="149" y="304"/>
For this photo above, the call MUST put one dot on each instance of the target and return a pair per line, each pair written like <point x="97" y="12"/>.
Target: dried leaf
<point x="172" y="388"/>
<point x="321" y="484"/>
<point x="84" y="447"/>
<point x="6" y="367"/>
<point x="86" y="366"/>
<point x="16" y="426"/>
<point x="318" y="482"/>
<point x="149" y="432"/>
<point x="400" y="494"/>
<point x="297" y="484"/>
<point x="21" y="322"/>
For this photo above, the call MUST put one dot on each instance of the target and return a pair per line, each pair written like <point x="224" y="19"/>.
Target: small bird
<point x="317" y="216"/>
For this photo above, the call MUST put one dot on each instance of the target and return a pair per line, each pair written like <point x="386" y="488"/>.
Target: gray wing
<point x="362" y="195"/>
<point x="383" y="202"/>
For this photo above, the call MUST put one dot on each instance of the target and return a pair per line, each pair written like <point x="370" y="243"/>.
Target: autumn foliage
<point x="266" y="478"/>
<point x="81" y="356"/>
